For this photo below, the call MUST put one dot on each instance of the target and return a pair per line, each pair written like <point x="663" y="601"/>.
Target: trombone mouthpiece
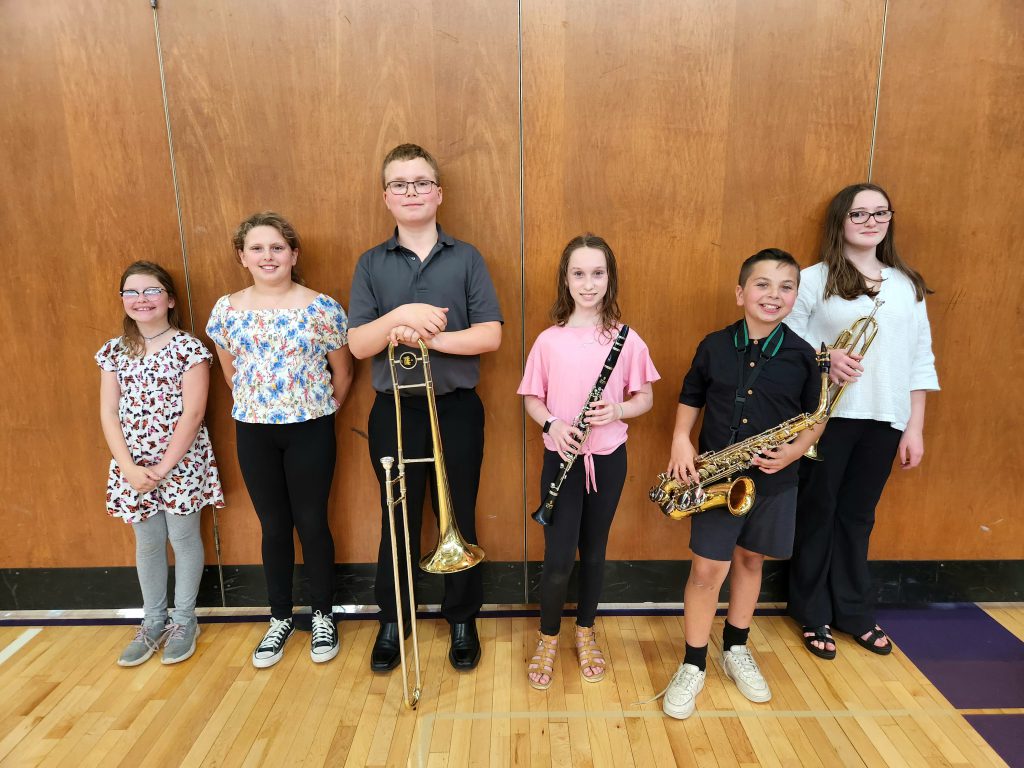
<point x="387" y="462"/>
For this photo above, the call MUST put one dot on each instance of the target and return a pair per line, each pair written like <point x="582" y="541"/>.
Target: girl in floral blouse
<point x="153" y="390"/>
<point x="284" y="354"/>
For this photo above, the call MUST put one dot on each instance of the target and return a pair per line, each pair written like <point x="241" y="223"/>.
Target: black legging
<point x="581" y="520"/>
<point x="288" y="469"/>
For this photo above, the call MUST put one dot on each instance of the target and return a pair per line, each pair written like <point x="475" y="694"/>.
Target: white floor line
<point x="20" y="642"/>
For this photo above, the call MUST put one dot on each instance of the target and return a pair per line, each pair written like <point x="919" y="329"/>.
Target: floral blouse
<point x="149" y="408"/>
<point x="281" y="374"/>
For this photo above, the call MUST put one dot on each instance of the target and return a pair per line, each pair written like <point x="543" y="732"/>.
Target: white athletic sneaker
<point x="323" y="645"/>
<point x="741" y="668"/>
<point x="271" y="647"/>
<point x="681" y="694"/>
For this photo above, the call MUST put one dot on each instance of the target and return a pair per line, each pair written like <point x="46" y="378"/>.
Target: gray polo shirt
<point x="454" y="275"/>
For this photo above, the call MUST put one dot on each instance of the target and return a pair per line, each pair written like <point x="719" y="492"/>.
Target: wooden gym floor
<point x="64" y="702"/>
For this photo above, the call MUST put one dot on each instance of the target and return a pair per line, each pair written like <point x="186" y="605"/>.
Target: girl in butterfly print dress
<point x="153" y="389"/>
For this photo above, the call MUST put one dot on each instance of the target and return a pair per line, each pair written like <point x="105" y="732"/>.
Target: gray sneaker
<point x="181" y="641"/>
<point x="741" y="668"/>
<point x="145" y="643"/>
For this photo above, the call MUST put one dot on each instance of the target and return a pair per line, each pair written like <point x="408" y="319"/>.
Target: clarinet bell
<point x="545" y="513"/>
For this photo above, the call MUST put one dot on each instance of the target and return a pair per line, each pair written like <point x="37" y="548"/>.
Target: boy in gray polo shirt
<point x="424" y="284"/>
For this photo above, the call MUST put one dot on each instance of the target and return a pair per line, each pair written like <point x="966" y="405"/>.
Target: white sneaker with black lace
<point x="741" y="668"/>
<point x="324" y="644"/>
<point x="271" y="647"/>
<point x="681" y="694"/>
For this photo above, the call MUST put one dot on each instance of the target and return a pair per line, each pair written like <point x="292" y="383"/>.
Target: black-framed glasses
<point x="149" y="293"/>
<point x="420" y="186"/>
<point x="860" y="217"/>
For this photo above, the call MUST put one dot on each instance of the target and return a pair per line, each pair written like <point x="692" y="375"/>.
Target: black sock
<point x="734" y="635"/>
<point x="697" y="656"/>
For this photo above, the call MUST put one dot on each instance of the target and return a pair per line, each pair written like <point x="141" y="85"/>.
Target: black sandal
<point x="869" y="641"/>
<point x="822" y="635"/>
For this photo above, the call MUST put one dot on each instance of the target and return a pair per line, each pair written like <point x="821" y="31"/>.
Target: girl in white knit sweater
<point x="880" y="417"/>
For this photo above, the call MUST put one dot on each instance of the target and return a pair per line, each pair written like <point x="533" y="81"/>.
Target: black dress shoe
<point x="386" y="655"/>
<point x="464" y="653"/>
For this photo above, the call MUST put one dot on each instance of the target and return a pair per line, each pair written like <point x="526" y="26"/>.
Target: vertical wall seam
<point x="522" y="292"/>
<point x="174" y="166"/>
<point x="878" y="91"/>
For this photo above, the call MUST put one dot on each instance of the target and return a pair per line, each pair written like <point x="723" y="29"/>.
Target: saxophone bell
<point x="679" y="501"/>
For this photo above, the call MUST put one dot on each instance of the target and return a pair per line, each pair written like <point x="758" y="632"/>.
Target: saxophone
<point x="679" y="499"/>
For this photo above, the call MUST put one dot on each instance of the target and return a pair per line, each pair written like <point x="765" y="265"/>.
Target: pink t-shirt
<point x="563" y="367"/>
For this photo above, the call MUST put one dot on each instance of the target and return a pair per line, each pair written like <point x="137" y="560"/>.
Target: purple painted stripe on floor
<point x="1004" y="733"/>
<point x="972" y="659"/>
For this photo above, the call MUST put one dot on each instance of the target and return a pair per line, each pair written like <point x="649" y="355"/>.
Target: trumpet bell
<point x="453" y="554"/>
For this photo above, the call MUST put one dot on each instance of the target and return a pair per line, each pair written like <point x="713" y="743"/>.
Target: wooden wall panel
<point x="86" y="191"/>
<point x="293" y="111"/>
<point x="689" y="134"/>
<point x="950" y="150"/>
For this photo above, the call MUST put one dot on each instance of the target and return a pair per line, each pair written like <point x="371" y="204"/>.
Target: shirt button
<point x="750" y="391"/>
<point x="756" y="341"/>
<point x="751" y="364"/>
<point x="744" y="421"/>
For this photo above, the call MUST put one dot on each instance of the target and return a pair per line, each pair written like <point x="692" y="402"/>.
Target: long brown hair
<point x="131" y="340"/>
<point x="278" y="222"/>
<point x="844" y="280"/>
<point x="564" y="305"/>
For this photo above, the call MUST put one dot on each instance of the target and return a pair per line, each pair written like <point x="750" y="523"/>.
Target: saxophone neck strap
<point x="748" y="371"/>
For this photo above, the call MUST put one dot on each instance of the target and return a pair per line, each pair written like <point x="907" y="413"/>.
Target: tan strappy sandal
<point x="543" y="661"/>
<point x="589" y="654"/>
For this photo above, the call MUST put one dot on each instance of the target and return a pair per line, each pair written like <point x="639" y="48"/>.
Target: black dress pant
<point x="581" y="521"/>
<point x="829" y="582"/>
<point x="288" y="470"/>
<point x="460" y="416"/>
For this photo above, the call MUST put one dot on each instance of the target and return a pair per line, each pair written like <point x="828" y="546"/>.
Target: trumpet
<point x="855" y="340"/>
<point x="452" y="553"/>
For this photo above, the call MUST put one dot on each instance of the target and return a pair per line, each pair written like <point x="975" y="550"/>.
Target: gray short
<point x="767" y="529"/>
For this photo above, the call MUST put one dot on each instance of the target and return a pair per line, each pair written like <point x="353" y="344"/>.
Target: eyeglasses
<point x="149" y="293"/>
<point x="421" y="186"/>
<point x="860" y="217"/>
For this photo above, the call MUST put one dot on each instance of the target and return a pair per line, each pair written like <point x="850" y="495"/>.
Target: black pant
<point x="460" y="416"/>
<point x="829" y="581"/>
<point x="288" y="469"/>
<point x="581" y="520"/>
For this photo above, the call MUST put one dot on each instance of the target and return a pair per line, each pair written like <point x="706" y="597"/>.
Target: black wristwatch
<point x="548" y="423"/>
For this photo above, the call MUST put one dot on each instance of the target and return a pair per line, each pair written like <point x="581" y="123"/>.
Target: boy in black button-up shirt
<point x="748" y="377"/>
<point x="424" y="284"/>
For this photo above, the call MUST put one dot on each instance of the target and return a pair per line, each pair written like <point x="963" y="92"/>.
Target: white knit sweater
<point x="900" y="359"/>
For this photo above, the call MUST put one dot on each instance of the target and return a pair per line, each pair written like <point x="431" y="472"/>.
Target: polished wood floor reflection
<point x="64" y="702"/>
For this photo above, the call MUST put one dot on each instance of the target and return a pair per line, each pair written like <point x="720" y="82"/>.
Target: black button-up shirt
<point x="454" y="275"/>
<point x="788" y="385"/>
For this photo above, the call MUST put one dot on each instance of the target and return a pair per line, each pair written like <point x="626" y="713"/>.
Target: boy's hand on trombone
<point x="844" y="366"/>
<point x="425" y="319"/>
<point x="403" y="334"/>
<point x="567" y="438"/>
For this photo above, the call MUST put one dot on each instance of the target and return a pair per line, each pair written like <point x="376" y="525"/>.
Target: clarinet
<point x="545" y="514"/>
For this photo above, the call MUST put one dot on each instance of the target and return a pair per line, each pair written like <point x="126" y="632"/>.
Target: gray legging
<point x="151" y="537"/>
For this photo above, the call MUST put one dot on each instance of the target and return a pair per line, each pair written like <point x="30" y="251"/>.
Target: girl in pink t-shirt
<point x="561" y="370"/>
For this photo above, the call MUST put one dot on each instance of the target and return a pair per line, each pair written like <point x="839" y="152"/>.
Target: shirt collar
<point x="442" y="237"/>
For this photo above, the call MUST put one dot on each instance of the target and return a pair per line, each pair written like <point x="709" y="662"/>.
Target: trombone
<point x="854" y="340"/>
<point x="453" y="553"/>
